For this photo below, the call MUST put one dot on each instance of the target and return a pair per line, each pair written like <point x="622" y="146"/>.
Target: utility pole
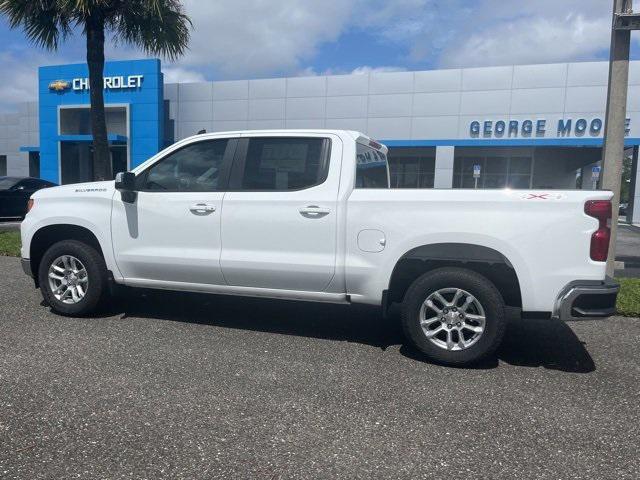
<point x="624" y="20"/>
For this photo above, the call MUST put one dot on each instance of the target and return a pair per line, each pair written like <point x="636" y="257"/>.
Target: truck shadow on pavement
<point x="528" y="343"/>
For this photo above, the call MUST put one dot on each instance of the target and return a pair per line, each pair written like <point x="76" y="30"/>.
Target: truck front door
<point x="171" y="232"/>
<point x="279" y="217"/>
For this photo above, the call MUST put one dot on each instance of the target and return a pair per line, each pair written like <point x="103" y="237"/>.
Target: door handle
<point x="314" y="211"/>
<point x="202" y="208"/>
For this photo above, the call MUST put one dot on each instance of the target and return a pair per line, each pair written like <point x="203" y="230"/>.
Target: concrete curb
<point x="9" y="226"/>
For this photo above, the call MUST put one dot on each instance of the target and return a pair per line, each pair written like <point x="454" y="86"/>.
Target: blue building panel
<point x="137" y="84"/>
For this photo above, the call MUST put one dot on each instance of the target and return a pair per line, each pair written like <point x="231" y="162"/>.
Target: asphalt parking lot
<point x="169" y="385"/>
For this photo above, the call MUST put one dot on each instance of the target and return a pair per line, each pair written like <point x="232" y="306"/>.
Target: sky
<point x="234" y="39"/>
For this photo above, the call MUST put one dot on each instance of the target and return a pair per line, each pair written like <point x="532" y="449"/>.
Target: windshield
<point x="7" y="182"/>
<point x="372" y="170"/>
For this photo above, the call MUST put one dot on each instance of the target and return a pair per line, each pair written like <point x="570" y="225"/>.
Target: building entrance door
<point x="76" y="161"/>
<point x="34" y="164"/>
<point x="118" y="159"/>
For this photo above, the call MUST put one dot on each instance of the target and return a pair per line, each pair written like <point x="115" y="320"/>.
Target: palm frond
<point x="159" y="27"/>
<point x="43" y="21"/>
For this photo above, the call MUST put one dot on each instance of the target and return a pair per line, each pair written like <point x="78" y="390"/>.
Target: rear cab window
<point x="372" y="168"/>
<point x="280" y="164"/>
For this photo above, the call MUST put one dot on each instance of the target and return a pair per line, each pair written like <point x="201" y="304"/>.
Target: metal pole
<point x="633" y="187"/>
<point x="615" y="123"/>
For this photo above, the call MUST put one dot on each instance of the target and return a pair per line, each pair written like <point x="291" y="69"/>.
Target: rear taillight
<point x="601" y="210"/>
<point x="29" y="205"/>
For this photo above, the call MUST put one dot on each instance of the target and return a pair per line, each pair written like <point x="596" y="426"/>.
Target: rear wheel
<point x="73" y="278"/>
<point x="453" y="315"/>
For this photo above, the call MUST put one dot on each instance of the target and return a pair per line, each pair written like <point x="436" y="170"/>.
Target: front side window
<point x="194" y="168"/>
<point x="284" y="164"/>
<point x="372" y="169"/>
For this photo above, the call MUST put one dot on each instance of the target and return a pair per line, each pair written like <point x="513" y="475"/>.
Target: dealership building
<point x="524" y="126"/>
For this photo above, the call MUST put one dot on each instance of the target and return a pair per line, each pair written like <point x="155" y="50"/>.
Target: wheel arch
<point x="48" y="235"/>
<point x="481" y="259"/>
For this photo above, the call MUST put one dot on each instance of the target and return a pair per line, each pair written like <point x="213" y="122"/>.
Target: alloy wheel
<point x="452" y="319"/>
<point x="68" y="279"/>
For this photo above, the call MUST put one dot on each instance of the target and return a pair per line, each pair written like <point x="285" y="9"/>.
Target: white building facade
<point x="525" y="126"/>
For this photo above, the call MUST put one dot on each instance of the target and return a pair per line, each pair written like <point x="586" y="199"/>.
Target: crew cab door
<point x="171" y="232"/>
<point x="279" y="216"/>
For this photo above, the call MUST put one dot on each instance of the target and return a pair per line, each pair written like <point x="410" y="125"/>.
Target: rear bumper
<point x="26" y="266"/>
<point x="584" y="299"/>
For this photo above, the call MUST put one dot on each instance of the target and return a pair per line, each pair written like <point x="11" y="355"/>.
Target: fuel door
<point x="371" y="240"/>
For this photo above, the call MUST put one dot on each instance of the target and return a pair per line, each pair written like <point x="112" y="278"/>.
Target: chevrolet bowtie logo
<point x="59" y="85"/>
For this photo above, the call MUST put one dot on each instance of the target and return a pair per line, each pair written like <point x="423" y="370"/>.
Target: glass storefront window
<point x="520" y="165"/>
<point x="494" y="181"/>
<point x="504" y="171"/>
<point x="412" y="167"/>
<point x="496" y="165"/>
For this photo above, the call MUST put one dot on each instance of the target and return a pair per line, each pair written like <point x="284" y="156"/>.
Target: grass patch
<point x="10" y="244"/>
<point x="629" y="297"/>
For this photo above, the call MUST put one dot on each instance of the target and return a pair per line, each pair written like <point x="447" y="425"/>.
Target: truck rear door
<point x="279" y="216"/>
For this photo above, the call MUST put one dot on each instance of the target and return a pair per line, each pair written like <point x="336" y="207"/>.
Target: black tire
<point x="475" y="284"/>
<point x="96" y="269"/>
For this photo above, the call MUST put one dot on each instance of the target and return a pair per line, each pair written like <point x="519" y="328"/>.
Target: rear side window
<point x="372" y="170"/>
<point x="283" y="164"/>
<point x="193" y="168"/>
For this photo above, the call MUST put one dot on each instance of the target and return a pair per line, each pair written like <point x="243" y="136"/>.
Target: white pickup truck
<point x="309" y="215"/>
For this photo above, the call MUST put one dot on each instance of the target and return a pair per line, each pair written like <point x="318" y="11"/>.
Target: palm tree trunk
<point x="95" y="61"/>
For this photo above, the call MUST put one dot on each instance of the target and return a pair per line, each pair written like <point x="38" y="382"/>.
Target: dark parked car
<point x="15" y="193"/>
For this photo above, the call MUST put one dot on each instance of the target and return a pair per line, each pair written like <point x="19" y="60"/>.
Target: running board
<point x="274" y="293"/>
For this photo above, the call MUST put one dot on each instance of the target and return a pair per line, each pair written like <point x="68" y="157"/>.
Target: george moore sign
<point x="538" y="128"/>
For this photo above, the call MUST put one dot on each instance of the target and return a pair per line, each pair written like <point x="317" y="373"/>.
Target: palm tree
<point x="159" y="27"/>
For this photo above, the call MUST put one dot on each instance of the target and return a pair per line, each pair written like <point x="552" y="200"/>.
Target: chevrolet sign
<point x="59" y="85"/>
<point x="110" y="83"/>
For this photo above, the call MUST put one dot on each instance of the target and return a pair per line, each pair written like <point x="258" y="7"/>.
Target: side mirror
<point x="126" y="184"/>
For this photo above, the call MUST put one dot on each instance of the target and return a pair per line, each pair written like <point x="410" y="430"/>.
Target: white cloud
<point x="495" y="32"/>
<point x="176" y="74"/>
<point x="241" y="38"/>
<point x="489" y="32"/>
<point x="258" y="37"/>
<point x="311" y="72"/>
<point x="19" y="77"/>
<point x="365" y="69"/>
<point x="545" y="36"/>
<point x="362" y="70"/>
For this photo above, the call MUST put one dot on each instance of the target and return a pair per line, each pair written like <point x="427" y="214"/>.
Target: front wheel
<point x="453" y="315"/>
<point x="73" y="278"/>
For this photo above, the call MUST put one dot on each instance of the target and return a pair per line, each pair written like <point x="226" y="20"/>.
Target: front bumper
<point x="583" y="299"/>
<point x="26" y="266"/>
